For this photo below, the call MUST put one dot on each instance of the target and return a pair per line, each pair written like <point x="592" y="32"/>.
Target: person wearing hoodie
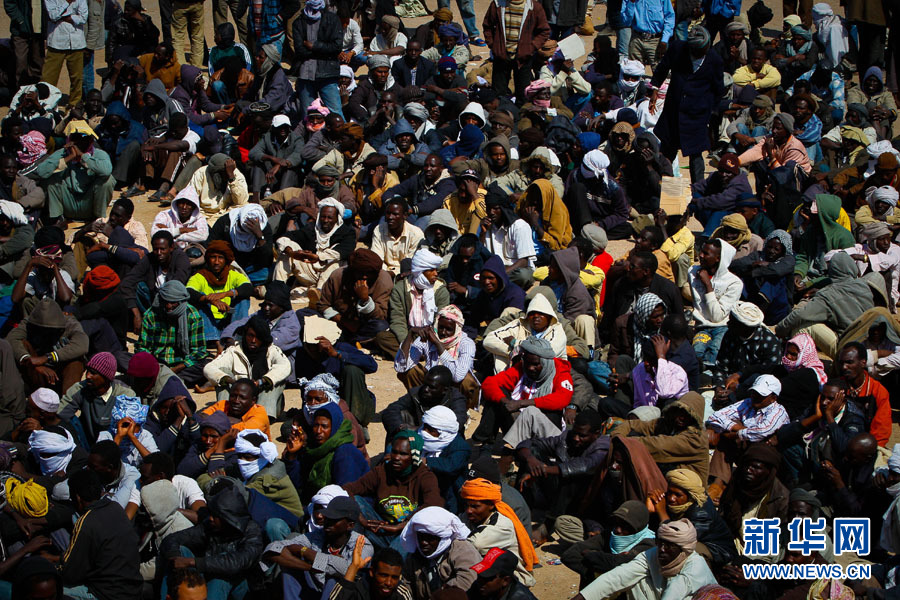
<point x="224" y="547"/>
<point x="441" y="236"/>
<point x="472" y="114"/>
<point x="405" y="153"/>
<point x="834" y="308"/>
<point x="496" y="294"/>
<point x="164" y="156"/>
<point x="190" y="94"/>
<point x="573" y="300"/>
<point x="121" y="136"/>
<point x="158" y="108"/>
<point x="539" y="319"/>
<point x="161" y="501"/>
<point x="820" y="232"/>
<point x="467" y="257"/>
<point x="542" y="163"/>
<point x="212" y="429"/>
<point x="275" y="158"/>
<point x="715" y="291"/>
<point x="183" y="220"/>
<point x="425" y="192"/>
<point x="496" y="160"/>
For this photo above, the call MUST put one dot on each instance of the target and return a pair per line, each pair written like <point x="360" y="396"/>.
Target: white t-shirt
<point x="188" y="492"/>
<point x="512" y="243"/>
<point x="378" y="44"/>
<point x="192" y="139"/>
<point x="353" y="41"/>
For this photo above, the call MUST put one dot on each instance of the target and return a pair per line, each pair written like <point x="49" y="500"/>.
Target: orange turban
<point x="484" y="490"/>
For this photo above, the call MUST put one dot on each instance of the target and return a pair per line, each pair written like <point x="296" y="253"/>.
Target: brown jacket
<point x="454" y="567"/>
<point x="244" y="81"/>
<point x="535" y="30"/>
<point x="341" y="298"/>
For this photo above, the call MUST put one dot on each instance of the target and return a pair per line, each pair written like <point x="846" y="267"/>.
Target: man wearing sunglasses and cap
<point x="76" y="178"/>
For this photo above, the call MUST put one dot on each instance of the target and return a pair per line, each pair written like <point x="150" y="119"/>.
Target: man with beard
<point x="405" y="153"/>
<point x="274" y="159"/>
<point x="717" y="195"/>
<point x="370" y="88"/>
<point x="172" y="331"/>
<point x="309" y="255"/>
<point x="356" y="297"/>
<point x="94" y="398"/>
<point x="426" y="191"/>
<point x="83" y="188"/>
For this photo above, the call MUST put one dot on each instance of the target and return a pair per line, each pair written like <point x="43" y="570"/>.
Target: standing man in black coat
<point x="695" y="87"/>
<point x="318" y="41"/>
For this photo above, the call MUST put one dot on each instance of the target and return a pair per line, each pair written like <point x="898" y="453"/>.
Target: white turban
<point x="348" y="72"/>
<point x="885" y="193"/>
<point x="45" y="442"/>
<point x="633" y="68"/>
<point x="747" y="313"/>
<point x="433" y="520"/>
<point x="821" y="10"/>
<point x="424" y="260"/>
<point x="14" y="212"/>
<point x="444" y="420"/>
<point x="266" y="452"/>
<point x="878" y="148"/>
<point x="322" y="498"/>
<point x="242" y="239"/>
<point x="594" y="165"/>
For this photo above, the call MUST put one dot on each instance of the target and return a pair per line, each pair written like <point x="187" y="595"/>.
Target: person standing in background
<point x="66" y="44"/>
<point x="27" y="40"/>
<point x="188" y="15"/>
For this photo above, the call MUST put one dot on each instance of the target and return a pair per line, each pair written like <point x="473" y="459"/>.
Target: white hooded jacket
<point x="712" y="309"/>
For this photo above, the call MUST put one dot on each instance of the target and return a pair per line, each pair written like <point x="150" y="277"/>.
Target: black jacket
<point x="363" y="99"/>
<point x="712" y="531"/>
<point x="229" y="554"/>
<point x="423" y="201"/>
<point x="403" y="74"/>
<point x="408" y="407"/>
<point x="103" y="554"/>
<point x="145" y="271"/>
<point x="343" y="240"/>
<point x="326" y="47"/>
<point x="557" y="447"/>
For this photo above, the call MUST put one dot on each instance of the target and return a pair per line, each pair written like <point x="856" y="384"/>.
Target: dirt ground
<point x="553" y="581"/>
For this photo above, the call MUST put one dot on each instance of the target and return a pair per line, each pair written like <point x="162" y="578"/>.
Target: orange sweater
<point x="170" y="74"/>
<point x="255" y="418"/>
<point x="881" y="422"/>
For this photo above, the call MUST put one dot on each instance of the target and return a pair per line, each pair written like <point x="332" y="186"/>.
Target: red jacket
<point x="881" y="421"/>
<point x="498" y="387"/>
<point x="535" y="30"/>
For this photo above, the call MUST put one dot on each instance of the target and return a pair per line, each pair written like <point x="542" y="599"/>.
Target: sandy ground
<point x="553" y="581"/>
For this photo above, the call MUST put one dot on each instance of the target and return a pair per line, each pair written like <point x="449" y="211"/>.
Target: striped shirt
<point x="759" y="424"/>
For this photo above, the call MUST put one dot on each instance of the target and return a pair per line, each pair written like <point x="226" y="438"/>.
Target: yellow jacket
<point x="767" y="78"/>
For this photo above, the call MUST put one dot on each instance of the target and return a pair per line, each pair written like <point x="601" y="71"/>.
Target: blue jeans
<point x="710" y="219"/>
<point x="379" y="540"/>
<point x="142" y="297"/>
<point x="79" y="592"/>
<point x="758" y="131"/>
<point x="87" y="82"/>
<point x="467" y="12"/>
<point x="220" y="93"/>
<point x="216" y="589"/>
<point x="327" y="89"/>
<point x="706" y="344"/>
<point x="257" y="276"/>
<point x="623" y="40"/>
<point x="213" y="327"/>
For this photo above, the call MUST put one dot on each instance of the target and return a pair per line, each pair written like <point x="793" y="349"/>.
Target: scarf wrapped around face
<point x="805" y="34"/>
<point x="174" y="291"/>
<point x="242" y="239"/>
<point x="313" y="9"/>
<point x="444" y="420"/>
<point x="808" y="357"/>
<point x="543" y="385"/>
<point x="643" y="308"/>
<point x="322" y="498"/>
<point x="323" y="382"/>
<point x="437" y="521"/>
<point x="266" y="453"/>
<point x="682" y="534"/>
<point x="483" y="490"/>
<point x="452" y="313"/>
<point x="734" y="221"/>
<point x="323" y="240"/>
<point x="425" y="260"/>
<point x="51" y="443"/>
<point x="690" y="482"/>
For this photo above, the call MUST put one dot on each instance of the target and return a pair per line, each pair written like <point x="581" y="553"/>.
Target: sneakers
<point x="478" y="42"/>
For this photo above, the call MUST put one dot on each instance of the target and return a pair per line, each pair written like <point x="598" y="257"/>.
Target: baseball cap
<point x="469" y="174"/>
<point x="341" y="507"/>
<point x="765" y="385"/>
<point x="485" y="467"/>
<point x="280" y="121"/>
<point x="730" y="163"/>
<point x="496" y="563"/>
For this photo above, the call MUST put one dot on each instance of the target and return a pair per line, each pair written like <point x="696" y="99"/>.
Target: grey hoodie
<point x="157" y="123"/>
<point x="575" y="300"/>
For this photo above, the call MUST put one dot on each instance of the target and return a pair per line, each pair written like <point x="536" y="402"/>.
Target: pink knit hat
<point x="105" y="364"/>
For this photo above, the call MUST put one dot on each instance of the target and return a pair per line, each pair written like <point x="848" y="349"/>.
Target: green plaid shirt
<point x="158" y="338"/>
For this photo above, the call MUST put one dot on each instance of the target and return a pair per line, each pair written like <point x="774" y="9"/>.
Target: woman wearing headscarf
<point x="673" y="569"/>
<point x="872" y="92"/>
<point x="220" y="185"/>
<point x="172" y="332"/>
<point x="312" y="253"/>
<point x="161" y="500"/>
<point x="210" y="427"/>
<point x="247" y="229"/>
<point x="126" y="429"/>
<point x="394" y="490"/>
<point x="439" y="554"/>
<point x="446" y="452"/>
<point x="768" y="276"/>
<point x="415" y="300"/>
<point x="685" y="498"/>
<point x="494" y="524"/>
<point x="328" y="455"/>
<point x="261" y="471"/>
<point x="754" y="490"/>
<point x="256" y="358"/>
<point x="593" y="196"/>
<point x="314" y="393"/>
<point x="734" y="230"/>
<point x="219" y="291"/>
<point x="444" y="343"/>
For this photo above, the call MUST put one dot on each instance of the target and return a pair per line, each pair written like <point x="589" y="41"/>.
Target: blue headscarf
<point x="128" y="406"/>
<point x="454" y="30"/>
<point x="590" y="140"/>
<point x="334" y="411"/>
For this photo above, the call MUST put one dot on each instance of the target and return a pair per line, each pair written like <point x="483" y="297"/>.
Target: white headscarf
<point x="267" y="453"/>
<point x="241" y="239"/>
<point x="323" y="240"/>
<point x="433" y="520"/>
<point x="50" y="442"/>
<point x="885" y="193"/>
<point x="425" y="260"/>
<point x="348" y="72"/>
<point x="323" y="382"/>
<point x="594" y="165"/>
<point x="322" y="498"/>
<point x="14" y="212"/>
<point x="444" y="420"/>
<point x="875" y="150"/>
<point x="632" y="68"/>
